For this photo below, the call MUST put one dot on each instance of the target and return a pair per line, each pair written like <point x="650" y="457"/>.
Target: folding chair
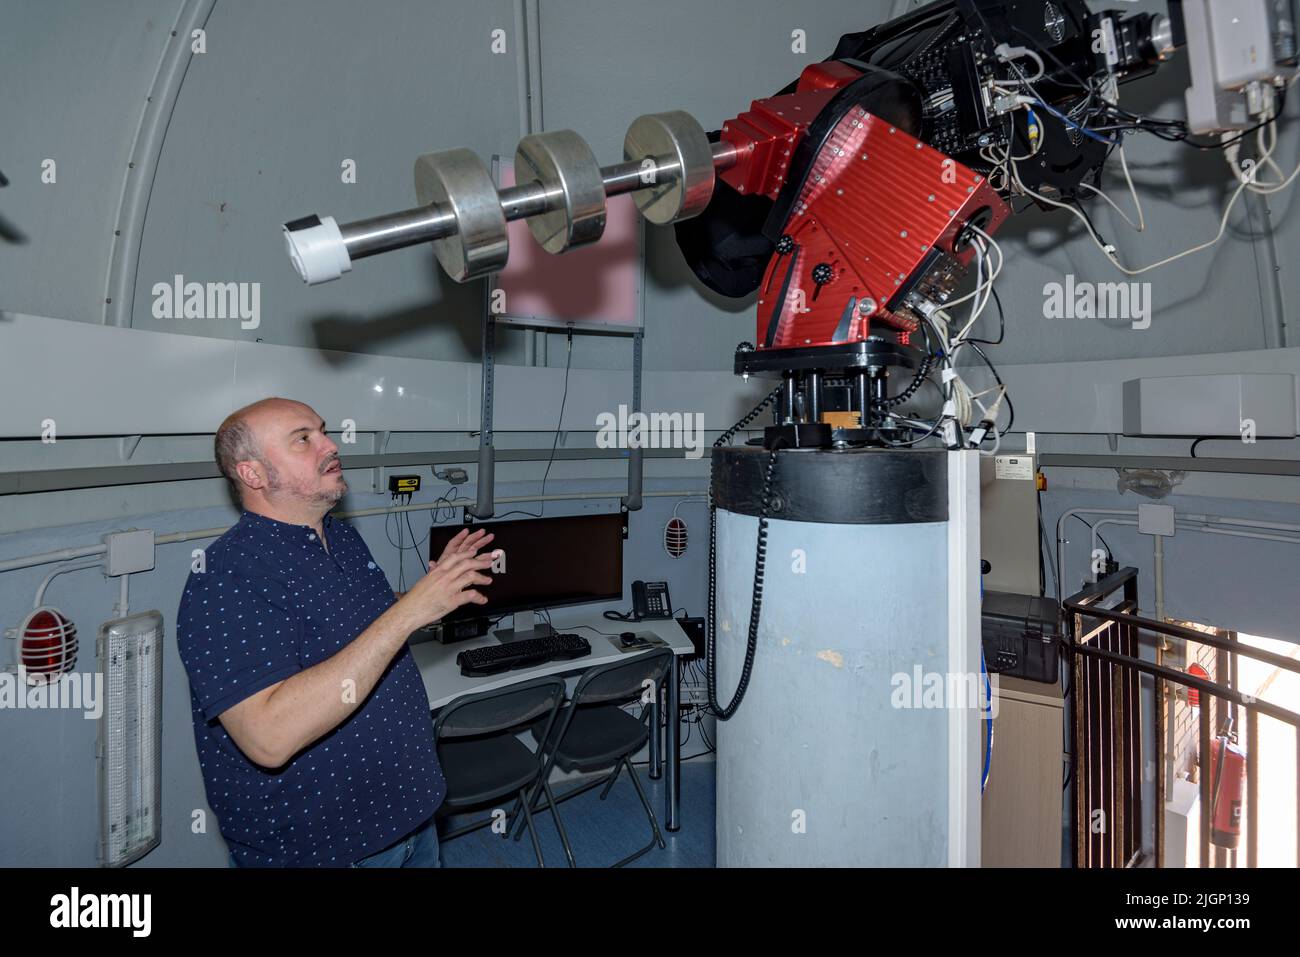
<point x="594" y="734"/>
<point x="482" y="759"/>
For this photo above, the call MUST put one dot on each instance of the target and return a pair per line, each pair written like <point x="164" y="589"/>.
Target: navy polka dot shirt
<point x="271" y="602"/>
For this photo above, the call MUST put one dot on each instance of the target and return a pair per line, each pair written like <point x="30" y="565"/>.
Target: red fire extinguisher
<point x="1194" y="696"/>
<point x="1227" y="784"/>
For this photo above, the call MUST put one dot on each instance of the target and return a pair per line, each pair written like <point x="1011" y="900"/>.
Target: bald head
<point x="256" y="443"/>
<point x="236" y="439"/>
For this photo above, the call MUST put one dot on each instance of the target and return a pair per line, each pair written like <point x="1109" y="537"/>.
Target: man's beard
<point x="301" y="493"/>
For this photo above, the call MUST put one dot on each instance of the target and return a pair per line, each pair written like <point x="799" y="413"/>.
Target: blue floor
<point x="602" y="832"/>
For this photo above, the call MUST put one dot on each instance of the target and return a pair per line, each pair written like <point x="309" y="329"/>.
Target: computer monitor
<point x="548" y="562"/>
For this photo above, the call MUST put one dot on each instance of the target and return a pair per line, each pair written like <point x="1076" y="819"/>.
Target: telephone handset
<point x="650" y="600"/>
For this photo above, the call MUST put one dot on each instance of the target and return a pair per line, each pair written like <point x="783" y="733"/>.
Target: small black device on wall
<point x="650" y="600"/>
<point x="406" y="485"/>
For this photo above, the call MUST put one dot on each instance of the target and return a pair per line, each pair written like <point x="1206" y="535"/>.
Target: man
<point x="310" y="718"/>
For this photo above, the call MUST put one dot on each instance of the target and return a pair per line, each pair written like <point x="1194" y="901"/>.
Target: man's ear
<point x="251" y="474"/>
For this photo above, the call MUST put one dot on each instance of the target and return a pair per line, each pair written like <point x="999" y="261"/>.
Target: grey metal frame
<point x="552" y="687"/>
<point x="660" y="663"/>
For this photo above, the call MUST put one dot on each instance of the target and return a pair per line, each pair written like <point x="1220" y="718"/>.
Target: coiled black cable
<point x="726" y="437"/>
<point x="918" y="380"/>
<point x="760" y="563"/>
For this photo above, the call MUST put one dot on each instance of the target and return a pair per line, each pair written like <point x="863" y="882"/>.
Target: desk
<point x="443" y="681"/>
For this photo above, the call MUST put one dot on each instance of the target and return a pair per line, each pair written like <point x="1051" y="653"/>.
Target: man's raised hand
<point x="451" y="580"/>
<point x="464" y="542"/>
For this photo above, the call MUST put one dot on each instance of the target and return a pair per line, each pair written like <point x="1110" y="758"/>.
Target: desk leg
<point x="673" y="744"/>
<point x="656" y="763"/>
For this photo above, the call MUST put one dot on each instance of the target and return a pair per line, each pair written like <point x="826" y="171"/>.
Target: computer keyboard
<point x="493" y="659"/>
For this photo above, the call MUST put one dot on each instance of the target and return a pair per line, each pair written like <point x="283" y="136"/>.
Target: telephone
<point x="650" y="600"/>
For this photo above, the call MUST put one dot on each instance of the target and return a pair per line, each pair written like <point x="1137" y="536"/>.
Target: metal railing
<point x="1115" y="752"/>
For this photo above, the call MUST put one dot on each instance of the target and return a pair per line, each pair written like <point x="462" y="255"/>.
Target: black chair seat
<point x="596" y="737"/>
<point x="479" y="770"/>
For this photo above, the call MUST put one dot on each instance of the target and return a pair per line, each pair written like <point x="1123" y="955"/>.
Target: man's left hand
<point x="464" y="543"/>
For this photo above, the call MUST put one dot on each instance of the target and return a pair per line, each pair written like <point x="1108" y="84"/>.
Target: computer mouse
<point x="628" y="638"/>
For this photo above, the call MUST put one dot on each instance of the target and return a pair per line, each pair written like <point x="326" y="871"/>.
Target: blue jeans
<point x="417" y="849"/>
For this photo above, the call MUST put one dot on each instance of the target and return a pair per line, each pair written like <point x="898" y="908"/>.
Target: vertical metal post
<point x="1082" y="776"/>
<point x="1204" y="772"/>
<point x="1132" y="693"/>
<point x="1162" y="701"/>
<point x="654" y="767"/>
<point x="813" y="396"/>
<point x="1252" y="787"/>
<point x="673" y="747"/>
<point x="1222" y="710"/>
<point x="1234" y="714"/>
<point x="880" y="386"/>
<point x="1116" y="826"/>
<point x="486" y="478"/>
<point x="632" y="500"/>
<point x="1159" y="564"/>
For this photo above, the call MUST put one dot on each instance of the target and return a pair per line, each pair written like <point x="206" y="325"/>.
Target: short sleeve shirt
<point x="272" y="601"/>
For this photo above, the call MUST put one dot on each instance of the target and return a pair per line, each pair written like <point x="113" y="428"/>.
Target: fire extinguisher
<point x="1227" y="784"/>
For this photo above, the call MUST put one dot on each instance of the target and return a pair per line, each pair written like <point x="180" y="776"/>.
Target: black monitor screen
<point x="548" y="562"/>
